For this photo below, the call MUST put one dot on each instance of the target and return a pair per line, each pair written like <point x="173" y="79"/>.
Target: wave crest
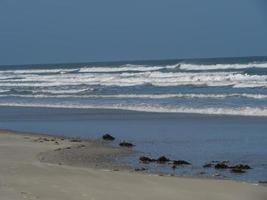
<point x="199" y="67"/>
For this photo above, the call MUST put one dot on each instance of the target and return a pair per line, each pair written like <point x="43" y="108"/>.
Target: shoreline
<point x="197" y="139"/>
<point x="22" y="176"/>
<point x="104" y="155"/>
<point x="98" y="154"/>
<point x="73" y="151"/>
<point x="136" y="112"/>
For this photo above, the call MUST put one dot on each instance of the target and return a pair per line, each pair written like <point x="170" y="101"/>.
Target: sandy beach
<point x="23" y="176"/>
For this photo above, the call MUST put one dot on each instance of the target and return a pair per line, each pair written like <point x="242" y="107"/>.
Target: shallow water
<point x="195" y="138"/>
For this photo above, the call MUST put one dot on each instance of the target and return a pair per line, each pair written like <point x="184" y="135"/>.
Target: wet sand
<point x="25" y="175"/>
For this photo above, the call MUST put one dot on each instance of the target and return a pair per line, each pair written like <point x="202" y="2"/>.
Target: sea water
<point x="229" y="94"/>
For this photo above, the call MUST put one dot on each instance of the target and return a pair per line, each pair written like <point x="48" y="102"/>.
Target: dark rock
<point x="181" y="162"/>
<point x="145" y="159"/>
<point x="163" y="159"/>
<point x="56" y="143"/>
<point x="209" y="165"/>
<point x="240" y="166"/>
<point x="173" y="167"/>
<point x="126" y="144"/>
<point x="108" y="137"/>
<point x="221" y="166"/>
<point x="68" y="147"/>
<point x="263" y="182"/>
<point x="238" y="170"/>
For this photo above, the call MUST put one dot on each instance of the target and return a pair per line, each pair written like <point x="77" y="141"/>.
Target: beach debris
<point x="163" y="159"/>
<point x="217" y="175"/>
<point x="56" y="142"/>
<point x="126" y="144"/>
<point x="108" y="137"/>
<point x="140" y="169"/>
<point x="46" y="140"/>
<point x="181" y="162"/>
<point x="68" y="148"/>
<point x="75" y="140"/>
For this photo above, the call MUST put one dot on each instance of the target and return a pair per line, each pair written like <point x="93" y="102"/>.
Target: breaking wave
<point x="154" y="78"/>
<point x="184" y="66"/>
<point x="232" y="89"/>
<point x="75" y="94"/>
<point x="241" y="111"/>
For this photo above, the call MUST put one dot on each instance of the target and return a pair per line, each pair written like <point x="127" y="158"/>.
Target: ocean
<point x="199" y="110"/>
<point x="236" y="86"/>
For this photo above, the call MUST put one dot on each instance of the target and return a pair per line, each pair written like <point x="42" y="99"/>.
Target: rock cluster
<point x="163" y="160"/>
<point x="240" y="168"/>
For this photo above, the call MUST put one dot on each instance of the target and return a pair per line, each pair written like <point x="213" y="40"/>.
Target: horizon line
<point x="125" y="61"/>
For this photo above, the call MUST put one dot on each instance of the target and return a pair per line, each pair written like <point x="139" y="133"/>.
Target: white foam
<point x="3" y="91"/>
<point x="242" y="111"/>
<point x="185" y="66"/>
<point x="142" y="78"/>
<point x="73" y="94"/>
<point x="124" y="68"/>
<point x="64" y="91"/>
<point x="37" y="71"/>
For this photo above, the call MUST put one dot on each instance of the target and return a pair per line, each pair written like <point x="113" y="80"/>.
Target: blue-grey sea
<point x="198" y="110"/>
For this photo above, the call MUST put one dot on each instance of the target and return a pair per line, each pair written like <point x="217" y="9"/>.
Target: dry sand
<point x="23" y="176"/>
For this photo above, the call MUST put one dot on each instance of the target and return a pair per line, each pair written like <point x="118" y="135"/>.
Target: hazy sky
<point x="49" y="31"/>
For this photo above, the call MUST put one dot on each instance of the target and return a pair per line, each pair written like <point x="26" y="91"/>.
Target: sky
<point x="61" y="31"/>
